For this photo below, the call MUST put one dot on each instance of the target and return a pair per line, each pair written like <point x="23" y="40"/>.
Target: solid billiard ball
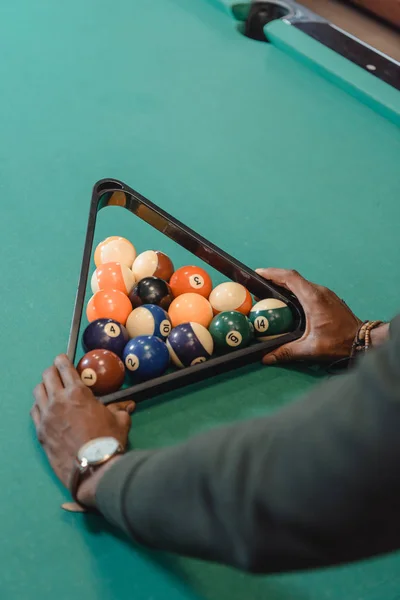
<point x="190" y="307"/>
<point x="230" y="296"/>
<point x="115" y="249"/>
<point x="149" y="319"/>
<point x="102" y="371"/>
<point x="113" y="276"/>
<point x="271" y="317"/>
<point x="106" y="334"/>
<point x="191" y="279"/>
<point x="145" y="357"/>
<point x="231" y="330"/>
<point x="152" y="262"/>
<point x="151" y="290"/>
<point x="109" y="304"/>
<point x="190" y="344"/>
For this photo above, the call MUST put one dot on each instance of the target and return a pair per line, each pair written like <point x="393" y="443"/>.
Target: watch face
<point x="98" y="450"/>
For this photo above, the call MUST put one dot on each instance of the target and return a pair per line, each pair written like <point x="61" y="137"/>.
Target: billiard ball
<point x="115" y="249"/>
<point x="230" y="296"/>
<point x="152" y="262"/>
<point x="112" y="276"/>
<point x="190" y="307"/>
<point x="271" y="317"/>
<point x="149" y="319"/>
<point x="106" y="334"/>
<point x="109" y="304"/>
<point x="190" y="344"/>
<point x="102" y="371"/>
<point x="151" y="290"/>
<point x="145" y="357"/>
<point x="231" y="330"/>
<point x="191" y="279"/>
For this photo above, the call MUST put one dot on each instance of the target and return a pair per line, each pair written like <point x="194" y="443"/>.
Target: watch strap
<point x="78" y="476"/>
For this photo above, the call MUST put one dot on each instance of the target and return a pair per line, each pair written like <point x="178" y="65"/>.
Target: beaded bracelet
<point x="362" y="341"/>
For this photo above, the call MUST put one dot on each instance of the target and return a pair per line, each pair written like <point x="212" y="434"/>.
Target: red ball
<point x="102" y="371"/>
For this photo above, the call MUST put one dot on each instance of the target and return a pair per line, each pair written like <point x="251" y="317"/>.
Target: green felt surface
<point x="238" y="140"/>
<point x="378" y="95"/>
<point x="373" y="92"/>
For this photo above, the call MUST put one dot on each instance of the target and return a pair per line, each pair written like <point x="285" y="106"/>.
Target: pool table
<point x="283" y="154"/>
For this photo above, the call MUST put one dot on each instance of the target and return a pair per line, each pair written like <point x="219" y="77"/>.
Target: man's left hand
<point x="66" y="415"/>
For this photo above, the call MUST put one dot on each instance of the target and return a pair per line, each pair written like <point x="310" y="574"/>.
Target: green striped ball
<point x="271" y="317"/>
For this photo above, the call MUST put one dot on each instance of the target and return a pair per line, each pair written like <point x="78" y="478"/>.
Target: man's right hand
<point x="330" y="324"/>
<point x="67" y="415"/>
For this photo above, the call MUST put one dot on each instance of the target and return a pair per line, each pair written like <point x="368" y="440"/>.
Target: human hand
<point x="330" y="324"/>
<point x="67" y="415"/>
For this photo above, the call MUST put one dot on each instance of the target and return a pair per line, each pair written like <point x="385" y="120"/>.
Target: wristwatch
<point x="90" y="457"/>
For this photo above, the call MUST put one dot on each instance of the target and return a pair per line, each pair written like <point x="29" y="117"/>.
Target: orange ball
<point x="231" y="296"/>
<point x="188" y="308"/>
<point x="115" y="249"/>
<point x="191" y="279"/>
<point x="113" y="276"/>
<point x="109" y="304"/>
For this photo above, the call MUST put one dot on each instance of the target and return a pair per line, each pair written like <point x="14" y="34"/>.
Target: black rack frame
<point x="111" y="192"/>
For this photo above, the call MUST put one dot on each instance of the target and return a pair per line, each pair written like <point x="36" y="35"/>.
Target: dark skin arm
<point x="67" y="415"/>
<point x="330" y="324"/>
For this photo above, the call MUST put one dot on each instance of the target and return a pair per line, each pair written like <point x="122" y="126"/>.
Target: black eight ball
<point x="151" y="290"/>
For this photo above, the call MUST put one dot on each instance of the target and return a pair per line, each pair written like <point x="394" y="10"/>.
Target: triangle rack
<point x="109" y="192"/>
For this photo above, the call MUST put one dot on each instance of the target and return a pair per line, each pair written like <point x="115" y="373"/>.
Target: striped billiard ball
<point x="230" y="296"/>
<point x="149" y="319"/>
<point x="112" y="276"/>
<point x="271" y="317"/>
<point x="152" y="262"/>
<point x="115" y="249"/>
<point x="190" y="344"/>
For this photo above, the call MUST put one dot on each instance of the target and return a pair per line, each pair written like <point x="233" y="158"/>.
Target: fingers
<point x="73" y="507"/>
<point x="68" y="374"/>
<point x="291" y="280"/>
<point x="51" y="380"/>
<point x="124" y="420"/>
<point x="127" y="406"/>
<point x="284" y="354"/>
<point x="41" y="398"/>
<point x="35" y="414"/>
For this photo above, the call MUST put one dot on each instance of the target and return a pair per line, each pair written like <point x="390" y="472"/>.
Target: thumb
<point x="127" y="406"/>
<point x="283" y="354"/>
<point x="123" y="419"/>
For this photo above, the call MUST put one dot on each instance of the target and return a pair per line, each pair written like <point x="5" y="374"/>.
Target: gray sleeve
<point x="315" y="484"/>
